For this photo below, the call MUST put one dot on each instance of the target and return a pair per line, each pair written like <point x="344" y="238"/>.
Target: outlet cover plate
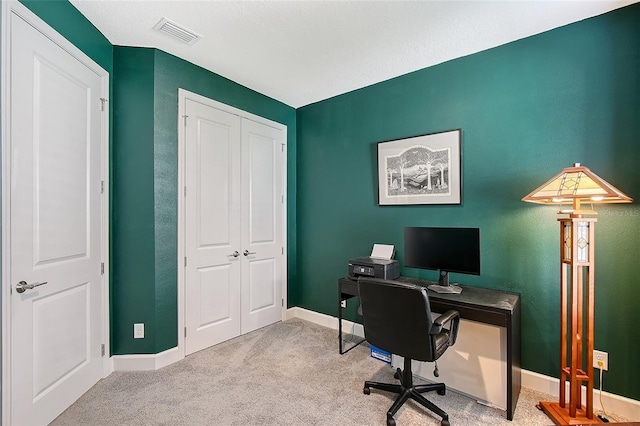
<point x="138" y="331"/>
<point x="601" y="360"/>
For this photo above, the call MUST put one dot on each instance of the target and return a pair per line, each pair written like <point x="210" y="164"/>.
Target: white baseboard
<point x="328" y="321"/>
<point x="146" y="361"/>
<point x="616" y="404"/>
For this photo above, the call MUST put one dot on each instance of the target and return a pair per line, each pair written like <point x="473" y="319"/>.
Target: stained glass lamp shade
<point x="576" y="185"/>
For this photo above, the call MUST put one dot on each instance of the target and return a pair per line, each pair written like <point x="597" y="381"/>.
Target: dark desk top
<point x="471" y="298"/>
<point x="487" y="298"/>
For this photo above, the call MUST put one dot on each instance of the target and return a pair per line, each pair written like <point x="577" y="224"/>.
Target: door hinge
<point x="282" y="199"/>
<point x="102" y="268"/>
<point x="185" y="190"/>
<point x="185" y="261"/>
<point x="185" y="120"/>
<point x="282" y="145"/>
<point x="102" y="350"/>
<point x="283" y="303"/>
<point x="102" y="187"/>
<point x="185" y="332"/>
<point x="102" y="102"/>
<point x="282" y="250"/>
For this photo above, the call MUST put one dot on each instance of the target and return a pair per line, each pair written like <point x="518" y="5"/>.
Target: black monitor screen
<point x="444" y="249"/>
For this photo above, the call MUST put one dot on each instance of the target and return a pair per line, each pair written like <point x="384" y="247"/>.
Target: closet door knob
<point x="247" y="252"/>
<point x="234" y="254"/>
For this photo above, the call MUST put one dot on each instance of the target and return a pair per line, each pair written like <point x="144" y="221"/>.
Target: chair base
<point x="406" y="390"/>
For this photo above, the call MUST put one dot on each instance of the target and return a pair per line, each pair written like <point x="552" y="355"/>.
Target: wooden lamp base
<point x="560" y="416"/>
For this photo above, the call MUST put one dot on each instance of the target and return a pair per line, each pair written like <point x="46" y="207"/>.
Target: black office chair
<point x="397" y="319"/>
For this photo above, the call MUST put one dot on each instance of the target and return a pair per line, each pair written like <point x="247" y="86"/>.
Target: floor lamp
<point x="576" y="185"/>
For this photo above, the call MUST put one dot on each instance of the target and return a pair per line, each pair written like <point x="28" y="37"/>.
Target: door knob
<point x="235" y="254"/>
<point x="247" y="252"/>
<point x="22" y="286"/>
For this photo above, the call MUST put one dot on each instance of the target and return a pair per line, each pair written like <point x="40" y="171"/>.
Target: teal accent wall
<point x="133" y="263"/>
<point x="144" y="285"/>
<point x="526" y="109"/>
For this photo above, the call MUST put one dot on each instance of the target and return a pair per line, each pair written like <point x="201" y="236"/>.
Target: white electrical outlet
<point x="343" y="303"/>
<point x="601" y="360"/>
<point x="138" y="331"/>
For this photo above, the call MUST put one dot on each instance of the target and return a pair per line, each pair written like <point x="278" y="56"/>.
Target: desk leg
<point x="341" y="346"/>
<point x="340" y="323"/>
<point x="514" y="372"/>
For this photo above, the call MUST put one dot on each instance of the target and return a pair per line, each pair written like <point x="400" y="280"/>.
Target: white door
<point x="262" y="204"/>
<point x="212" y="226"/>
<point x="233" y="224"/>
<point x="55" y="224"/>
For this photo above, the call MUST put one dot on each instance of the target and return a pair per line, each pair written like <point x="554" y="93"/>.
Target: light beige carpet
<point x="289" y="373"/>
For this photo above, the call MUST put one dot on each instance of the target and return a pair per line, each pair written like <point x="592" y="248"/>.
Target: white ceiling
<point x="300" y="52"/>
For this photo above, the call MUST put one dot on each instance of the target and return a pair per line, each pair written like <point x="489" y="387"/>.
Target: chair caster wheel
<point x="398" y="374"/>
<point x="441" y="391"/>
<point x="444" y="423"/>
<point x="391" y="421"/>
<point x="366" y="391"/>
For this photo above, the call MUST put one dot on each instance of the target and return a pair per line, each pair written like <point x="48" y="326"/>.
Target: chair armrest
<point x="452" y="317"/>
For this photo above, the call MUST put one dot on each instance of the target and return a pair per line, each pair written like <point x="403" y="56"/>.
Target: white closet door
<point x="55" y="226"/>
<point x="233" y="232"/>
<point x="262" y="213"/>
<point x="212" y="285"/>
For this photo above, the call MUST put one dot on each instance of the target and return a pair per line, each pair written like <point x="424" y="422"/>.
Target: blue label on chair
<point x="378" y="353"/>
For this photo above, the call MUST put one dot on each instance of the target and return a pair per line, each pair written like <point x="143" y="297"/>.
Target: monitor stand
<point x="452" y="289"/>
<point x="443" y="285"/>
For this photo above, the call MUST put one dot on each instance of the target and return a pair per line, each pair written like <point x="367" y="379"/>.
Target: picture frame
<point x="422" y="169"/>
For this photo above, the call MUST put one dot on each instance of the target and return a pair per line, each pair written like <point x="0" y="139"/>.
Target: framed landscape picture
<point x="421" y="170"/>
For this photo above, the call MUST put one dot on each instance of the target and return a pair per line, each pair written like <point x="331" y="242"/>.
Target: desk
<point x="486" y="306"/>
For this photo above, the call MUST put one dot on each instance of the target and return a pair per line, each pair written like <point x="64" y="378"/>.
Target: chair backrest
<point x="397" y="318"/>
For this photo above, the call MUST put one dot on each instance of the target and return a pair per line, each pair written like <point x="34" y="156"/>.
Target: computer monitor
<point x="445" y="250"/>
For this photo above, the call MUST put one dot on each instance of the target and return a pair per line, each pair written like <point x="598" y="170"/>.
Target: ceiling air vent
<point x="176" y="31"/>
